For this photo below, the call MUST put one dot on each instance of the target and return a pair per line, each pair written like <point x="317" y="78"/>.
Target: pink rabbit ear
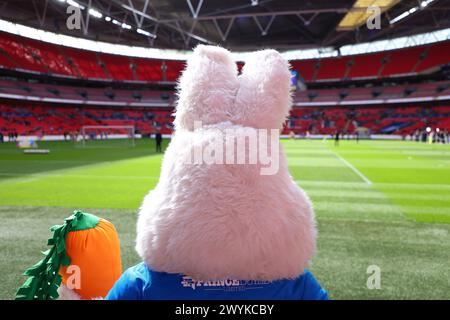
<point x="207" y="88"/>
<point x="264" y="98"/>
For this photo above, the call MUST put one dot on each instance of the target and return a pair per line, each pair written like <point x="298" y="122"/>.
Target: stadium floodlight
<point x="146" y="33"/>
<point x="425" y="3"/>
<point x="437" y="129"/>
<point x="108" y="18"/>
<point x="125" y="26"/>
<point x="402" y="16"/>
<point x="75" y="4"/>
<point x="95" y="13"/>
<point x="428" y="129"/>
<point x="116" y="22"/>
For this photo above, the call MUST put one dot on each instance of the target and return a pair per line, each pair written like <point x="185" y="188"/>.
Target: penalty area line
<point x="348" y="164"/>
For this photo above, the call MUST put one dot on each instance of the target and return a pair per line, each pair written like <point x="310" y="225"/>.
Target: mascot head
<point x="225" y="205"/>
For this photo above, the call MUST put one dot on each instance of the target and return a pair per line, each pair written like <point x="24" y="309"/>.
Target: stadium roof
<point x="361" y="12"/>
<point x="237" y="24"/>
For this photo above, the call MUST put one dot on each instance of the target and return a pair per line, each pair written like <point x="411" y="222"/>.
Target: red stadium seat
<point x="333" y="68"/>
<point x="119" y="67"/>
<point x="366" y="66"/>
<point x="86" y="63"/>
<point x="148" y="69"/>
<point x="305" y="68"/>
<point x="438" y="54"/>
<point x="402" y="61"/>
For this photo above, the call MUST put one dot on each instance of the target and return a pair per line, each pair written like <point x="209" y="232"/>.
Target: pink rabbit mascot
<point x="223" y="223"/>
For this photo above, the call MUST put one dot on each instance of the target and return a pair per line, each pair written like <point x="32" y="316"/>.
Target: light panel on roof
<point x="359" y="14"/>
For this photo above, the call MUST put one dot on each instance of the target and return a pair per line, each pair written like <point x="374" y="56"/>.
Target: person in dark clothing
<point x="158" y="139"/>
<point x="336" y="138"/>
<point x="2" y="138"/>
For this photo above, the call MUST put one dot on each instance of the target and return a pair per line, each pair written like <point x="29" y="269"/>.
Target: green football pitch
<point x="381" y="203"/>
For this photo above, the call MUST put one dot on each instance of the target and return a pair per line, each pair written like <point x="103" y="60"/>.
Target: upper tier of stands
<point x="40" y="120"/>
<point x="32" y="55"/>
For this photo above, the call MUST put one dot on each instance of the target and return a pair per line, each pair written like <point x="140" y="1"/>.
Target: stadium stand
<point x="402" y="61"/>
<point x="117" y="67"/>
<point x="41" y="108"/>
<point x="379" y="120"/>
<point x="366" y="66"/>
<point x="21" y="90"/>
<point x="152" y="69"/>
<point x="174" y="69"/>
<point x="19" y="52"/>
<point x="85" y="62"/>
<point x="437" y="54"/>
<point x="39" y="120"/>
<point x="306" y="68"/>
<point x="332" y="69"/>
<point x="147" y="71"/>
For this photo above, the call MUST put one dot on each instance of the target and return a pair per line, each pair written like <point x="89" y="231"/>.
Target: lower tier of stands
<point x="50" y="120"/>
<point x="38" y="120"/>
<point x="375" y="120"/>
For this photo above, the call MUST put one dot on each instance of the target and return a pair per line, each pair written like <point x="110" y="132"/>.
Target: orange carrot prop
<point x="85" y="257"/>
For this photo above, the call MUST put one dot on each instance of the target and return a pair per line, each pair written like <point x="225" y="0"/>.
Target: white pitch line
<point x="348" y="164"/>
<point x="89" y="176"/>
<point x="350" y="184"/>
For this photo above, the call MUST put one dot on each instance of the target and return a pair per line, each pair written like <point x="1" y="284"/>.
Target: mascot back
<point x="226" y="220"/>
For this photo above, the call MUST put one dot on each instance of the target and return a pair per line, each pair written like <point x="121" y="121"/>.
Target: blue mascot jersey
<point x="141" y="283"/>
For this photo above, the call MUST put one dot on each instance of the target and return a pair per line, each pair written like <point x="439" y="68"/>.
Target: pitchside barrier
<point x="168" y="136"/>
<point x="93" y="135"/>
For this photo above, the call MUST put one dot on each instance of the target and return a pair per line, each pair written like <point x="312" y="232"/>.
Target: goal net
<point x="107" y="136"/>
